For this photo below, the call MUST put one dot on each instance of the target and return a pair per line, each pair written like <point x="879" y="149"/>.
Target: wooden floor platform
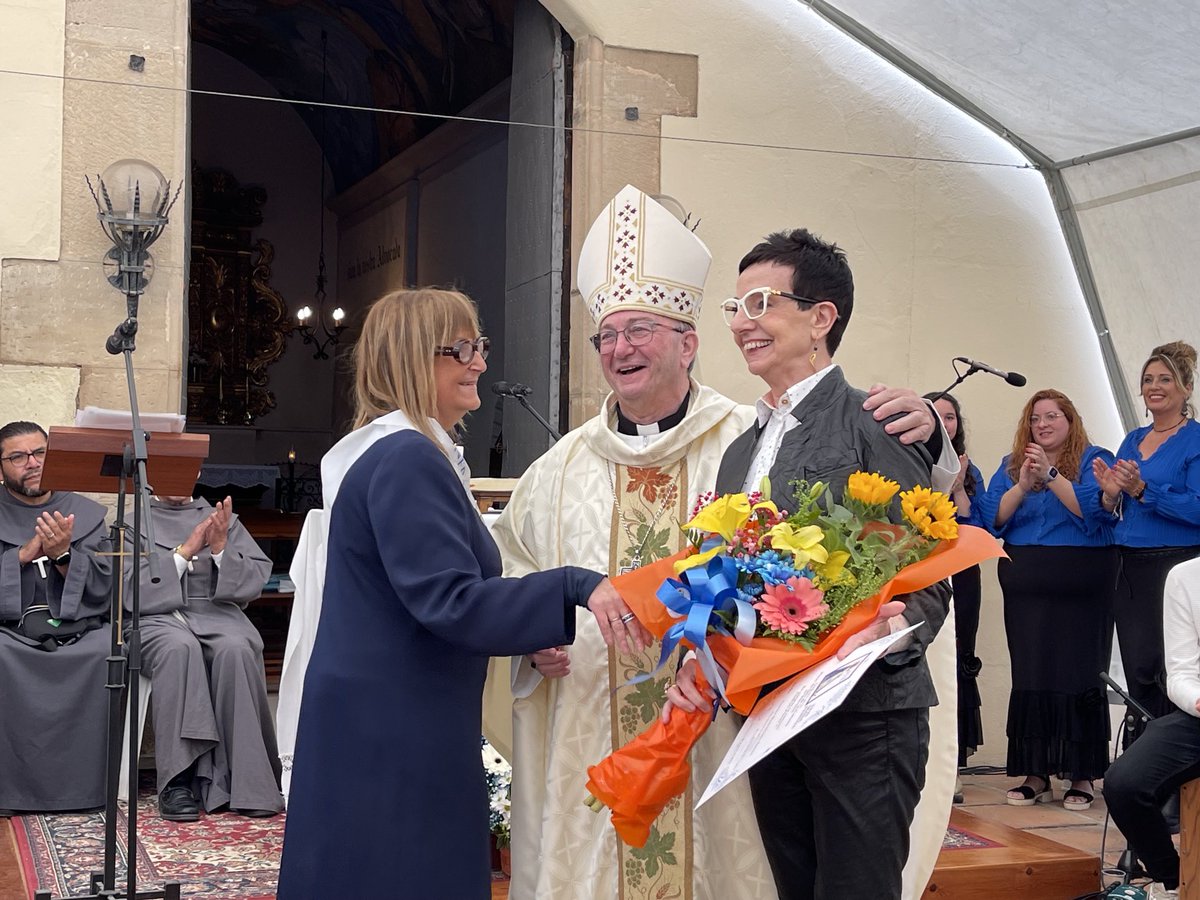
<point x="1022" y="864"/>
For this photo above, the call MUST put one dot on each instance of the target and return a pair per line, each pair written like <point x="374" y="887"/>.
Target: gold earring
<point x="812" y="358"/>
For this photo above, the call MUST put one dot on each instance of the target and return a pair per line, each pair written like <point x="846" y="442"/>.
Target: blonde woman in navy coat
<point x="388" y="796"/>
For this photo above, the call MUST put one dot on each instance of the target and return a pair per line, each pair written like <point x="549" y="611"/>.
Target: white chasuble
<point x="563" y="513"/>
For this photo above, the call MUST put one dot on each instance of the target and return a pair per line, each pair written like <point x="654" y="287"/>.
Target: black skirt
<point x="1058" y="615"/>
<point x="966" y="627"/>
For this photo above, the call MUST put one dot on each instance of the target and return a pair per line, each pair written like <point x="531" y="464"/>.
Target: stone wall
<point x="56" y="308"/>
<point x="621" y="96"/>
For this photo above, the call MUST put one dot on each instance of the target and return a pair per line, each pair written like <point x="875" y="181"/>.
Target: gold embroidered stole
<point x="651" y="503"/>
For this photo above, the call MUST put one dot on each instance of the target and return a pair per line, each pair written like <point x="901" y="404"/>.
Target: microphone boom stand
<point x="962" y="376"/>
<point x="1134" y="713"/>
<point x="520" y="398"/>
<point x="132" y="235"/>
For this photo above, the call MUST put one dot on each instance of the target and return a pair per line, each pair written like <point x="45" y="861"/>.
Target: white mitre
<point x="637" y="255"/>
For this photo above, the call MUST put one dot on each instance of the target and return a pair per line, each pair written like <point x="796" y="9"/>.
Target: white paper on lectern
<point x="785" y="713"/>
<point x="122" y="420"/>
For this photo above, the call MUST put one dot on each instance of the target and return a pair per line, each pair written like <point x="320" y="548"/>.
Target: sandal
<point x="1027" y="795"/>
<point x="1077" y="800"/>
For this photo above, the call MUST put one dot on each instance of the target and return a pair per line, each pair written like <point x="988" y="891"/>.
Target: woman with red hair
<point x="1058" y="585"/>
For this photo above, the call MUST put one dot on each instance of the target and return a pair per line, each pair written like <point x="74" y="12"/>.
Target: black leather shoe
<point x="257" y="813"/>
<point x="176" y="804"/>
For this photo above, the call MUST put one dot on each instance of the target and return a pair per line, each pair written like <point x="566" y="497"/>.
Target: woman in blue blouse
<point x="967" y="491"/>
<point x="1058" y="592"/>
<point x="1152" y="497"/>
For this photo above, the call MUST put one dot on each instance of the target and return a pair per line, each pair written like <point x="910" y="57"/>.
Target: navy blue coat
<point x="388" y="797"/>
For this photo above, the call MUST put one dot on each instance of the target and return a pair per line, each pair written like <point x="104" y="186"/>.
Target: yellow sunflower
<point x="931" y="513"/>
<point x="871" y="488"/>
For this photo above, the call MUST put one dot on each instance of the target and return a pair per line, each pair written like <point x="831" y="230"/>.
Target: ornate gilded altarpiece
<point x="237" y="323"/>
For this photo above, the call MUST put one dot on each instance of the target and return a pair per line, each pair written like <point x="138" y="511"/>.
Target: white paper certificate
<point x="789" y="710"/>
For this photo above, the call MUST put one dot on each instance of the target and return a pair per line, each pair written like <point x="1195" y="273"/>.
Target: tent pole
<point x="1148" y="144"/>
<point x="1069" y="220"/>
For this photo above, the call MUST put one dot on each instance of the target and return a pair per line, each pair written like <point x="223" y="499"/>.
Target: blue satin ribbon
<point x="696" y="597"/>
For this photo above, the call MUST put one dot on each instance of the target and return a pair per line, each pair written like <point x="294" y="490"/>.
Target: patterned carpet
<point x="958" y="839"/>
<point x="223" y="855"/>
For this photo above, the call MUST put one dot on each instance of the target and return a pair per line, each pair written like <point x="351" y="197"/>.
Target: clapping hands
<point x="212" y="532"/>
<point x="1123" y="476"/>
<point x="51" y="537"/>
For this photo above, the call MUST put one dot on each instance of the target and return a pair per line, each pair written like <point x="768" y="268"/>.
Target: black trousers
<point x="1139" y="615"/>
<point x="967" y="601"/>
<point x="1143" y="778"/>
<point x="835" y="803"/>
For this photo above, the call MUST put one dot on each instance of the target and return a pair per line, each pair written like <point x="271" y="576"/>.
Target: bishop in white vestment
<point x="610" y="496"/>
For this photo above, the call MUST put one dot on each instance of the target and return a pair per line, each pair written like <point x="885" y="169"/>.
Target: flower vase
<point x="506" y="861"/>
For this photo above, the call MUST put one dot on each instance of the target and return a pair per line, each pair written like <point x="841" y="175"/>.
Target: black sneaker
<point x="176" y="804"/>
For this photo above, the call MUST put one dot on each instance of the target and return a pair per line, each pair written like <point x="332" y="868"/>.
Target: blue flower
<point x="769" y="567"/>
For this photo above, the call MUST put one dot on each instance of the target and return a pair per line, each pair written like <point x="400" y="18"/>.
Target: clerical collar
<point x="627" y="426"/>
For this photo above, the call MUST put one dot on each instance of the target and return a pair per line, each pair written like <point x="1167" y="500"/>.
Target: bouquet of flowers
<point x="761" y="596"/>
<point x="498" y="773"/>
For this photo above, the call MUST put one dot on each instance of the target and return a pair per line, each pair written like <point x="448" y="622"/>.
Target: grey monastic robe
<point x="53" y="705"/>
<point x="204" y="661"/>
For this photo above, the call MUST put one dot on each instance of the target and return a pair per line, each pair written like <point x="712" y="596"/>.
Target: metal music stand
<point x="104" y="460"/>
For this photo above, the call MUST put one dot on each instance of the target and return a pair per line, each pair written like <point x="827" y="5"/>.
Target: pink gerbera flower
<point x="790" y="607"/>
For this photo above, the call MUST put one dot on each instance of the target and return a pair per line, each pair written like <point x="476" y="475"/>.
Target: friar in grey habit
<point x="53" y="705"/>
<point x="214" y="736"/>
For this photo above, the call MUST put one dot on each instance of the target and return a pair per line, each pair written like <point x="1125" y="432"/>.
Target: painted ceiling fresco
<point x="425" y="56"/>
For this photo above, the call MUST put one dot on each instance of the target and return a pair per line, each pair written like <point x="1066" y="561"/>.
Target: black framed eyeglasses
<point x="20" y="458"/>
<point x="464" y="351"/>
<point x="636" y="333"/>
<point x="755" y="303"/>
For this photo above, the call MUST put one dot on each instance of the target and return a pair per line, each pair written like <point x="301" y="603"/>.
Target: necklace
<point x="1172" y="428"/>
<point x="635" y="561"/>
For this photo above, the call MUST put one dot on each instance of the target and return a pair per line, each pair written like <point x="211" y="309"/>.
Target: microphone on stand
<point x="520" y="393"/>
<point x="514" y="389"/>
<point x="1016" y="379"/>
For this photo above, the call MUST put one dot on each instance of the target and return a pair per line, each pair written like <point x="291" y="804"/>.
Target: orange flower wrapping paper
<point x="767" y="660"/>
<point x="639" y="780"/>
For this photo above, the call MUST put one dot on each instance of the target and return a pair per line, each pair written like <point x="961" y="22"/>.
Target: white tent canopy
<point x="1104" y="98"/>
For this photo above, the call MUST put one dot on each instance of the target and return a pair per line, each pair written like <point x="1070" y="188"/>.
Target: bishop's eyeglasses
<point x="756" y="302"/>
<point x="636" y="333"/>
<point x="464" y="351"/>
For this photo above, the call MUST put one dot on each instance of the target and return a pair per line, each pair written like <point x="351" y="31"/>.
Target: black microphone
<point x="516" y="389"/>
<point x="1016" y="379"/>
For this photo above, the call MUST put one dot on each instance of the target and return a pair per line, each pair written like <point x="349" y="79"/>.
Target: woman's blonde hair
<point x="1071" y="453"/>
<point x="394" y="356"/>
<point x="1180" y="359"/>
